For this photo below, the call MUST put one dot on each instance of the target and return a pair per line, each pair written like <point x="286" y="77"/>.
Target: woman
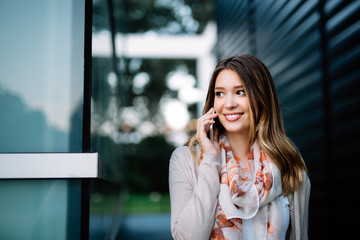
<point x="250" y="182"/>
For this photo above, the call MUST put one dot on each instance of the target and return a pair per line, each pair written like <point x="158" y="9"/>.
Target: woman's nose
<point x="230" y="102"/>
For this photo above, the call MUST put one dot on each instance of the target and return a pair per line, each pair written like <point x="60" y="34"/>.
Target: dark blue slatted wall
<point x="232" y="27"/>
<point x="312" y="50"/>
<point x="343" y="36"/>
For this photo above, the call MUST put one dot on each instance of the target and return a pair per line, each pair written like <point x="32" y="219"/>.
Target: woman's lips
<point x="231" y="117"/>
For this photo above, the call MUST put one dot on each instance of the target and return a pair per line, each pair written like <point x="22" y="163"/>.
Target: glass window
<point x="41" y="82"/>
<point x="45" y="209"/>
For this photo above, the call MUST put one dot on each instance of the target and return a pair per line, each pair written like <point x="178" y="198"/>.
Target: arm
<point x="193" y="196"/>
<point x="299" y="211"/>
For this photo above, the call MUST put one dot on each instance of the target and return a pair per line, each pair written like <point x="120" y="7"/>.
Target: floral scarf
<point x="249" y="205"/>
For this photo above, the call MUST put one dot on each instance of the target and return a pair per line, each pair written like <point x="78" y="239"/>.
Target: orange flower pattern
<point x="222" y="222"/>
<point x="240" y="180"/>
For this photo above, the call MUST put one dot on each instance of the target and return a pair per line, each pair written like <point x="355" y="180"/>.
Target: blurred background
<point x="128" y="78"/>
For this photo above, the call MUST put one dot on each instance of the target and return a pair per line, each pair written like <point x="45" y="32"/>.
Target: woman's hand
<point x="203" y="127"/>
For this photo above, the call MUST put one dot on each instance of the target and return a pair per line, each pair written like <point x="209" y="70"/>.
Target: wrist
<point x="212" y="151"/>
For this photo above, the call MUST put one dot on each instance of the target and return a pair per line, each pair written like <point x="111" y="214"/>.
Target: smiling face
<point x="231" y="103"/>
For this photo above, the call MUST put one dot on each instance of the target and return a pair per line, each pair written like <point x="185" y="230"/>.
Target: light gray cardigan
<point x="194" y="191"/>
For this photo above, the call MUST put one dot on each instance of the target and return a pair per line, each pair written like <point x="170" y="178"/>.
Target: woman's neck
<point x="239" y="144"/>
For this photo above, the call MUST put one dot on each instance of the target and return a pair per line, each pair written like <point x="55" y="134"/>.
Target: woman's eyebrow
<point x="219" y="88"/>
<point x="237" y="86"/>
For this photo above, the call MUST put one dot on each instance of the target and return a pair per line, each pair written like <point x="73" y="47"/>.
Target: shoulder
<point x="181" y="157"/>
<point x="180" y="152"/>
<point x="182" y="167"/>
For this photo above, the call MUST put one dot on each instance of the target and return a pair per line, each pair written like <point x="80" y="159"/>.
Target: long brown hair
<point x="266" y="125"/>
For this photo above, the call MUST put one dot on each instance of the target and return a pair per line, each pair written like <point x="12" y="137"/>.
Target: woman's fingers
<point x="203" y="126"/>
<point x="205" y="121"/>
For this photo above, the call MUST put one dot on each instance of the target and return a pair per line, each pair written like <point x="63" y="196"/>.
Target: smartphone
<point x="212" y="129"/>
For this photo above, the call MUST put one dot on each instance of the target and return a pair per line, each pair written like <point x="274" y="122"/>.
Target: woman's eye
<point x="219" y="94"/>
<point x="240" y="92"/>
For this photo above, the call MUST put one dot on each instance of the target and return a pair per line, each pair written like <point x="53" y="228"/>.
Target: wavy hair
<point x="266" y="125"/>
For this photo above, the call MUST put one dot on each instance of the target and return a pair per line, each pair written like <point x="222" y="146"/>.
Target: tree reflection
<point x="160" y="16"/>
<point x="148" y="165"/>
<point x="148" y="121"/>
<point x="141" y="110"/>
<point x="24" y="129"/>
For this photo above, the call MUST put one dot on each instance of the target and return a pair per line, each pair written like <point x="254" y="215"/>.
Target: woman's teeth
<point x="233" y="116"/>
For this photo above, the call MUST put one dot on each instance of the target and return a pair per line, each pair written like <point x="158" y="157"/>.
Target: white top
<point x="194" y="191"/>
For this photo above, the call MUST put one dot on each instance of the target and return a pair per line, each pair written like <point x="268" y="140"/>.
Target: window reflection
<point x="144" y="102"/>
<point x="42" y="100"/>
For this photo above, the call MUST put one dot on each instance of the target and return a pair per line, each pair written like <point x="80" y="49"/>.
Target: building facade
<point x="312" y="50"/>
